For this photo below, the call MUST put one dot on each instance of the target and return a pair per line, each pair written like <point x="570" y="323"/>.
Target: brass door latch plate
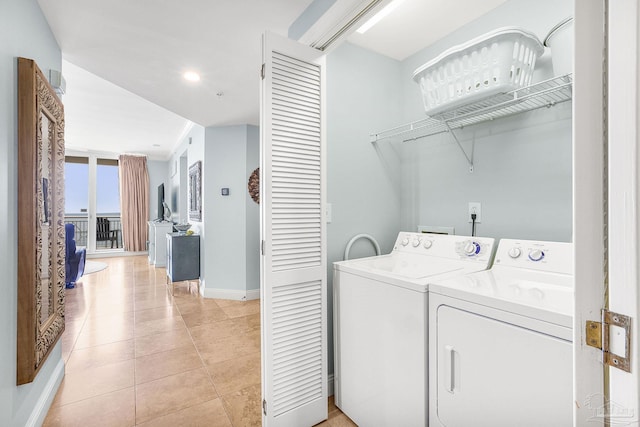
<point x="598" y="335"/>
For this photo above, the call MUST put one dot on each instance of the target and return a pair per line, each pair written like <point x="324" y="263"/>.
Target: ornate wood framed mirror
<point x="41" y="244"/>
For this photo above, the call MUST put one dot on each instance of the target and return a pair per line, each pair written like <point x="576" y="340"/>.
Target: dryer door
<point x="492" y="373"/>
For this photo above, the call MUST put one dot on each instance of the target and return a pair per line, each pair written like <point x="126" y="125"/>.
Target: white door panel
<point x="606" y="236"/>
<point x="588" y="206"/>
<point x="293" y="267"/>
<point x="624" y="52"/>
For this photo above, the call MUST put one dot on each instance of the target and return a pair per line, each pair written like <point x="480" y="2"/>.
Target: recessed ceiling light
<point x="156" y="145"/>
<point x="378" y="16"/>
<point x="191" y="76"/>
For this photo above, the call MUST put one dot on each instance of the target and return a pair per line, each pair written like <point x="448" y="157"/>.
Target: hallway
<point x="135" y="355"/>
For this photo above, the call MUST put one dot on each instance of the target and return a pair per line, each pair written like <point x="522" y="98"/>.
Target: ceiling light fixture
<point x="379" y="16"/>
<point x="191" y="76"/>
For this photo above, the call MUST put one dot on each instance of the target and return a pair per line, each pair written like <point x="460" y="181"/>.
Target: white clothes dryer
<point x="501" y="340"/>
<point x="380" y="325"/>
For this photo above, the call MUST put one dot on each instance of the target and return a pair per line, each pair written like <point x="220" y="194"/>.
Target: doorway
<point x="92" y="202"/>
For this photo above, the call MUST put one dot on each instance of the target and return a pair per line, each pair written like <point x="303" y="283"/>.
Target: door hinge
<point x="598" y="335"/>
<point x="264" y="406"/>
<point x="262" y="71"/>
<point x="262" y="247"/>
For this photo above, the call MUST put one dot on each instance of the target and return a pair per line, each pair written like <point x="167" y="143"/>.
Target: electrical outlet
<point x="475" y="208"/>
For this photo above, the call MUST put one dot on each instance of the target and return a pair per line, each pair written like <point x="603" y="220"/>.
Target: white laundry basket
<point x="560" y="40"/>
<point x="499" y="61"/>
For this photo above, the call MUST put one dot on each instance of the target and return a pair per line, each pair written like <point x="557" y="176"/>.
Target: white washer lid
<point x="407" y="270"/>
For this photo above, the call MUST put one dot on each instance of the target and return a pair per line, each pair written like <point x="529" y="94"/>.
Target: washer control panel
<point x="538" y="255"/>
<point x="447" y="246"/>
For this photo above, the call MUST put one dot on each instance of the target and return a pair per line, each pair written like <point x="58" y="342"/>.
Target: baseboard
<point x="253" y="294"/>
<point x="232" y="294"/>
<point x="225" y="294"/>
<point x="43" y="404"/>
<point x="330" y="385"/>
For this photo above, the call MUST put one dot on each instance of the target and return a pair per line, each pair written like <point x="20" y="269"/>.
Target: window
<point x="92" y="191"/>
<point x="76" y="186"/>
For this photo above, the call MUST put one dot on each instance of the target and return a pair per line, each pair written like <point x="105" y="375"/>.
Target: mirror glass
<point x="195" y="197"/>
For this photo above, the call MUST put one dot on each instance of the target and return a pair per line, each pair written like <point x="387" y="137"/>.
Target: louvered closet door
<point x="293" y="270"/>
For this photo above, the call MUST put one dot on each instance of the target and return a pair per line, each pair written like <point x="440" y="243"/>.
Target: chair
<point x="75" y="258"/>
<point x="104" y="232"/>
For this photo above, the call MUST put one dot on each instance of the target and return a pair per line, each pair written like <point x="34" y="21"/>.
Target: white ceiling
<point x="124" y="61"/>
<point x="144" y="47"/>
<point x="416" y="24"/>
<point x="101" y="116"/>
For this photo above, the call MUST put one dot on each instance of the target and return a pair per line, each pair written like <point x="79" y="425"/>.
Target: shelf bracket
<point x="466" y="156"/>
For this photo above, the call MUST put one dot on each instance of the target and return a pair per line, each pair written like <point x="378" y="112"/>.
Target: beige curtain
<point x="134" y="202"/>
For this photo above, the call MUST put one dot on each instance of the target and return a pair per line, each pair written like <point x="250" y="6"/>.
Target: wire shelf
<point x="543" y="94"/>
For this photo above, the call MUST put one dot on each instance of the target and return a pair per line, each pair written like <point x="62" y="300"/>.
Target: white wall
<point x="252" y="211"/>
<point x="224" y="163"/>
<point x="522" y="177"/>
<point x="522" y="165"/>
<point x="182" y="214"/>
<point x="522" y="173"/>
<point x="178" y="166"/>
<point x="363" y="94"/>
<point x="158" y="174"/>
<point x="193" y="144"/>
<point x="177" y="190"/>
<point x="24" y="32"/>
<point x="229" y="230"/>
<point x="230" y="221"/>
<point x="172" y="195"/>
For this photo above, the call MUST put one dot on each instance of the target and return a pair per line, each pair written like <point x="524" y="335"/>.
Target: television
<point x="160" y="216"/>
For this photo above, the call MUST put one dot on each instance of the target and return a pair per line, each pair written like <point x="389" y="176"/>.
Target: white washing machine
<point x="380" y="325"/>
<point x="501" y="341"/>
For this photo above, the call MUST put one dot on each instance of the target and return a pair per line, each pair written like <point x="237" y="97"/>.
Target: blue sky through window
<point x="76" y="188"/>
<point x="108" y="191"/>
<point x="76" y="177"/>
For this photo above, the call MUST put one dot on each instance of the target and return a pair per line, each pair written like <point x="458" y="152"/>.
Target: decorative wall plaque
<point x="254" y="185"/>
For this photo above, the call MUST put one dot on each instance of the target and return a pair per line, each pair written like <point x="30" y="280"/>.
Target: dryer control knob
<point x="416" y="242"/>
<point x="536" y="255"/>
<point x="471" y="248"/>
<point x="405" y="241"/>
<point x="515" y="252"/>
<point x="427" y="244"/>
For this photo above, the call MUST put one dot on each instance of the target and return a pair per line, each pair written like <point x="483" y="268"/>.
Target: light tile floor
<point x="136" y="355"/>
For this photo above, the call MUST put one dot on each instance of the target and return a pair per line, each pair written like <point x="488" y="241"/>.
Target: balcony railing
<point x="81" y="224"/>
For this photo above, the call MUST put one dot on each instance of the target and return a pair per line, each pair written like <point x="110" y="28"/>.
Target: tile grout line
<point x="74" y="349"/>
<point x="218" y="396"/>
<point x="135" y="340"/>
<point x="207" y="369"/>
<point x="132" y="281"/>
